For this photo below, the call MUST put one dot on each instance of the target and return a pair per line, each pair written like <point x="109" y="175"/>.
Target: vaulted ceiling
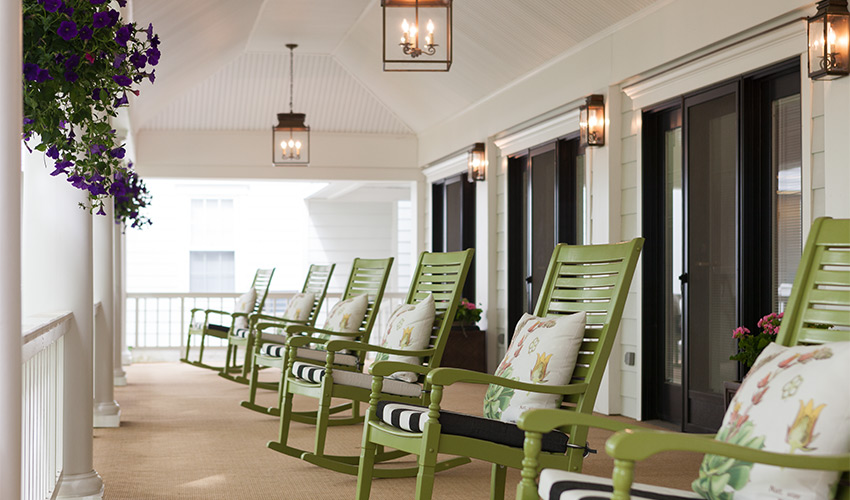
<point x="225" y="65"/>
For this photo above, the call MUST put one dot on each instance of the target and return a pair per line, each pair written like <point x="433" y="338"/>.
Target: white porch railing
<point x="43" y="405"/>
<point x="160" y="320"/>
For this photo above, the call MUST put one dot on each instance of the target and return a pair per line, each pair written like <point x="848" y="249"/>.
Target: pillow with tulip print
<point x="244" y="304"/>
<point x="299" y="307"/>
<point x="345" y="316"/>
<point x="408" y="329"/>
<point x="543" y="351"/>
<point x="794" y="400"/>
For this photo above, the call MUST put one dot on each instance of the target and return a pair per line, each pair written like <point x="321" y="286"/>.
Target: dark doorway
<point x="453" y="221"/>
<point x="545" y="207"/>
<point x="712" y="164"/>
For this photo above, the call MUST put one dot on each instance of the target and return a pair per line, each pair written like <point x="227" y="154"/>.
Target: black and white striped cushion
<point x="273" y="350"/>
<point x="412" y="418"/>
<point x="562" y="485"/>
<point x="242" y="332"/>
<point x="308" y="372"/>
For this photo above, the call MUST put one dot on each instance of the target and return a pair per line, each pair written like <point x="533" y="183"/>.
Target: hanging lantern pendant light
<point x="291" y="137"/>
<point x="421" y="48"/>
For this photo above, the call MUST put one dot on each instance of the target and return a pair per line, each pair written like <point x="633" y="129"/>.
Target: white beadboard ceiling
<point x="225" y="65"/>
<point x="248" y="93"/>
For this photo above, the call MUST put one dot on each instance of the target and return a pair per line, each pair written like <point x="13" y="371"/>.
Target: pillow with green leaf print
<point x="794" y="400"/>
<point x="543" y="351"/>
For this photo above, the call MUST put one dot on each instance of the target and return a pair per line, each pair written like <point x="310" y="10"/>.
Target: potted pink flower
<point x="750" y="345"/>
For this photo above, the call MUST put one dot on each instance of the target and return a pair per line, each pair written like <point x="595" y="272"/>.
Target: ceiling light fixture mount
<point x="429" y="52"/>
<point x="291" y="137"/>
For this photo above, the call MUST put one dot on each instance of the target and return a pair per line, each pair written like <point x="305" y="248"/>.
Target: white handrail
<point x="43" y="353"/>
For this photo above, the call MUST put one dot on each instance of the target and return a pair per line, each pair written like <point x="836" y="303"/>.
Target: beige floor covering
<point x="183" y="435"/>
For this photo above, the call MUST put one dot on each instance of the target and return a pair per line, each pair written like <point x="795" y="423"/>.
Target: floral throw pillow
<point x="543" y="351"/>
<point x="299" y="307"/>
<point x="794" y="400"/>
<point x="409" y="328"/>
<point x="244" y="304"/>
<point x="345" y="316"/>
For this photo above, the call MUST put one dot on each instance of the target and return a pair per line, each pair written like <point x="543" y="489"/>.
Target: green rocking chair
<point x="591" y="279"/>
<point x="318" y="278"/>
<point x="440" y="276"/>
<point x="818" y="311"/>
<point x="204" y="328"/>
<point x="368" y="277"/>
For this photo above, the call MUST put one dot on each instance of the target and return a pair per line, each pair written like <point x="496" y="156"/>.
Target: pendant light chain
<point x="291" y="76"/>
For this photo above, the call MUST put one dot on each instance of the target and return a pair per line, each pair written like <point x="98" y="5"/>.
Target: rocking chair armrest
<point x="240" y="314"/>
<point x="638" y="444"/>
<point x="387" y="368"/>
<point x="270" y="338"/>
<point x="543" y="421"/>
<point x="216" y="311"/>
<point x="269" y="324"/>
<point x="310" y="330"/>
<point x="338" y="345"/>
<point x="302" y="340"/>
<point x="448" y="376"/>
<point x="272" y="318"/>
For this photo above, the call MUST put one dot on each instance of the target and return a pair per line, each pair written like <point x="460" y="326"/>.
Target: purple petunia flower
<point x="52" y="5"/>
<point x="61" y="167"/>
<point x="97" y="149"/>
<point x="153" y="56"/>
<point x="67" y="9"/>
<point x="62" y="124"/>
<point x="77" y="181"/>
<point x="138" y="60"/>
<point x="100" y="20"/>
<point x="119" y="59"/>
<point x="71" y="77"/>
<point x="27" y="121"/>
<point x="85" y="33"/>
<point x="122" y="36"/>
<point x="95" y="94"/>
<point x="101" y="212"/>
<point x="31" y="71"/>
<point x="122" y="80"/>
<point x="152" y="76"/>
<point x="96" y="2"/>
<point x="72" y="61"/>
<point x="67" y="30"/>
<point x="117" y="153"/>
<point x="149" y="31"/>
<point x="53" y="152"/>
<point x="121" y="100"/>
<point x="43" y="76"/>
<point x="122" y="3"/>
<point x="113" y="17"/>
<point x="155" y="41"/>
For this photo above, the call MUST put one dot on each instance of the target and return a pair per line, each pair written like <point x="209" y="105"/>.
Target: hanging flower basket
<point x="81" y="61"/>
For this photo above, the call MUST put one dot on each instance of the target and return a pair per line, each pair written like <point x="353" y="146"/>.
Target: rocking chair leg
<point x="322" y="420"/>
<point x="367" y="466"/>
<point x="201" y="353"/>
<point x="424" y="480"/>
<point x="498" y="474"/>
<point x="188" y="345"/>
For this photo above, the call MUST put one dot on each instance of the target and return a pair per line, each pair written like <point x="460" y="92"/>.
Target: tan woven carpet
<point x="184" y="436"/>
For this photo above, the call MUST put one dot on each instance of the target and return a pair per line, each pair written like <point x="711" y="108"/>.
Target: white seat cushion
<point x="562" y="485"/>
<point x="313" y="373"/>
<point x="321" y="356"/>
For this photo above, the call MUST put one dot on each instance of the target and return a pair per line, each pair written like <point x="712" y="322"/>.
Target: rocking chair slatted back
<point x="369" y="277"/>
<point x="441" y="275"/>
<point x="316" y="283"/>
<point x="588" y="278"/>
<point x="819" y="311"/>
<point x="262" y="281"/>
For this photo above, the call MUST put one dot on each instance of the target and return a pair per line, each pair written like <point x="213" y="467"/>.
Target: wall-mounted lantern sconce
<point x="592" y="121"/>
<point x="291" y="137"/>
<point x="477" y="163"/>
<point x="417" y="35"/>
<point x="829" y="41"/>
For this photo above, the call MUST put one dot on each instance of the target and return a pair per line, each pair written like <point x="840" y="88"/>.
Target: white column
<point x="10" y="250"/>
<point x="836" y="131"/>
<point x="107" y="413"/>
<point x="120" y="378"/>
<point x="80" y="481"/>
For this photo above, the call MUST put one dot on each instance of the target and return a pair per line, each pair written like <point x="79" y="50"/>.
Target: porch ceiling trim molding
<point x="754" y="51"/>
<point x="538" y="134"/>
<point x="452" y="165"/>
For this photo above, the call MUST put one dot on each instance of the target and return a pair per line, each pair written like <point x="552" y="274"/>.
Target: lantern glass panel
<point x="838" y="38"/>
<point x="816" y="43"/>
<point x="291" y="146"/>
<point x="412" y="47"/>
